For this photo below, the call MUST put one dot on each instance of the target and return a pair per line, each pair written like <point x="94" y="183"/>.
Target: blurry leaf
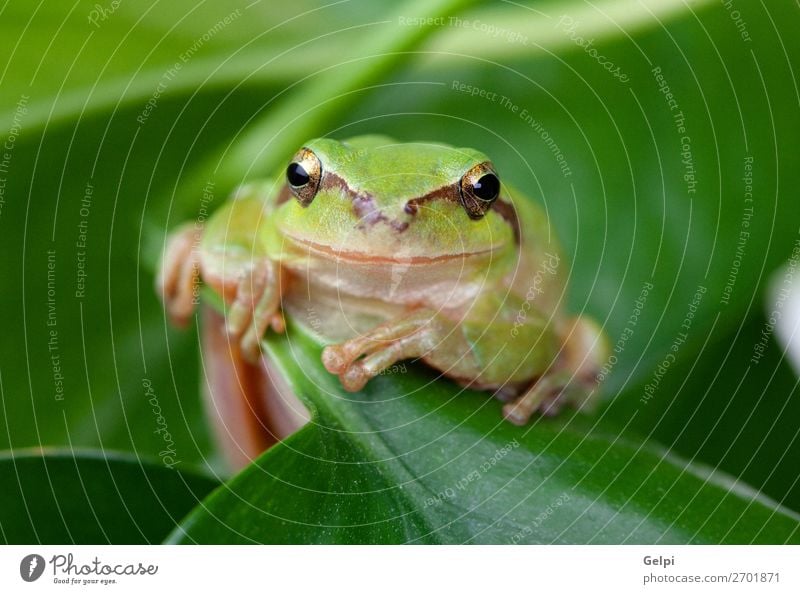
<point x="331" y="90"/>
<point x="416" y="460"/>
<point x="126" y="55"/>
<point x="270" y="45"/>
<point x="99" y="336"/>
<point x="507" y="32"/>
<point x="307" y="112"/>
<point x="85" y="497"/>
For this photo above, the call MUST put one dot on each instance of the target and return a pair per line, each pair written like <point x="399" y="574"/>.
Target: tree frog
<point x="389" y="251"/>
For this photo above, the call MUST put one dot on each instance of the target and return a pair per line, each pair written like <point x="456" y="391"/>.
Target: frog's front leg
<point x="230" y="258"/>
<point x="572" y="378"/>
<point x="357" y="360"/>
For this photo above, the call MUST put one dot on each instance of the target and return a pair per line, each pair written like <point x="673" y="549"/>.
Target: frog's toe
<point x="253" y="334"/>
<point x="255" y="308"/>
<point x="249" y="290"/>
<point x="357" y="374"/>
<point x="338" y="358"/>
<point x="412" y="329"/>
<point x="180" y="310"/>
<point x="516" y="414"/>
<point x="520" y="411"/>
<point x="179" y="275"/>
<point x="354" y="378"/>
<point x="333" y="359"/>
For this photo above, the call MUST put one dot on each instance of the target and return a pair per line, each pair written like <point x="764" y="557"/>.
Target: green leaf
<point x="536" y="27"/>
<point x="291" y="120"/>
<point x="93" y="497"/>
<point x="99" y="340"/>
<point x="739" y="418"/>
<point x="413" y="459"/>
<point x="120" y="58"/>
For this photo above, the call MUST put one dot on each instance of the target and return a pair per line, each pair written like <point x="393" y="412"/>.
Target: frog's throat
<point x="329" y="252"/>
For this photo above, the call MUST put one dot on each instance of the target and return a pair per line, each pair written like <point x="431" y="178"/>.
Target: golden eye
<point x="480" y="187"/>
<point x="303" y="175"/>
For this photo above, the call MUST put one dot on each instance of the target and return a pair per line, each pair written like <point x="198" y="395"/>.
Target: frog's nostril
<point x="411" y="207"/>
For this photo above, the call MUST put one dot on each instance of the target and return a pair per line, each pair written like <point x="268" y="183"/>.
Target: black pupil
<point x="296" y="175"/>
<point x="487" y="187"/>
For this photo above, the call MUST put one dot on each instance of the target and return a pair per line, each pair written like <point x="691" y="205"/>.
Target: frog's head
<point x="373" y="198"/>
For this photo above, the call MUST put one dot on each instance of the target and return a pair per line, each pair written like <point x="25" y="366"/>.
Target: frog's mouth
<point x="334" y="253"/>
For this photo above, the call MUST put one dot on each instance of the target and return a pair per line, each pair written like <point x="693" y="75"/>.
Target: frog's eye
<point x="303" y="175"/>
<point x="480" y="187"/>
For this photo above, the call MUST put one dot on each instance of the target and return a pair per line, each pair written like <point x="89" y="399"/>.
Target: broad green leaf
<point x="742" y="419"/>
<point x="91" y="497"/>
<point x="414" y="459"/>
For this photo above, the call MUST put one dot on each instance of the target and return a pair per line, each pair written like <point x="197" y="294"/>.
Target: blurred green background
<point x="116" y="115"/>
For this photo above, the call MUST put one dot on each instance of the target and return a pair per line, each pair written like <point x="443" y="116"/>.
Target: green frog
<point x="390" y="251"/>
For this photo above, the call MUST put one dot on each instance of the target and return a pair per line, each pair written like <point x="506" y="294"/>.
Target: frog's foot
<point x="255" y="307"/>
<point x="357" y="360"/>
<point x="572" y="382"/>
<point x="547" y="395"/>
<point x="506" y="393"/>
<point x="179" y="274"/>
